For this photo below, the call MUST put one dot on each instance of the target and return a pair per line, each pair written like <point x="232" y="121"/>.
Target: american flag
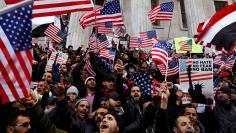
<point x="147" y="37"/>
<point x="59" y="56"/>
<point x="93" y="42"/>
<point x="88" y="66"/>
<point x="186" y="45"/>
<point x="107" y="67"/>
<point x="159" y="52"/>
<point x="55" y="33"/>
<point x="52" y="49"/>
<point x="224" y="61"/>
<point x="111" y="12"/>
<point x="143" y="81"/>
<point x="15" y="51"/>
<point x="163" y="11"/>
<point x="108" y="53"/>
<point x="119" y="31"/>
<point x="42" y="8"/>
<point x="189" y="62"/>
<point x="102" y="42"/>
<point x="173" y="68"/>
<point x="134" y="42"/>
<point x="195" y="76"/>
<point x="105" y="28"/>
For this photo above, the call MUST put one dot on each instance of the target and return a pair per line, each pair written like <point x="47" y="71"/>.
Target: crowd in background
<point x="71" y="100"/>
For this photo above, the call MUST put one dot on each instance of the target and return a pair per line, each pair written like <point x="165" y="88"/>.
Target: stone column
<point x="197" y="11"/>
<point x="77" y="36"/>
<point x="135" y="16"/>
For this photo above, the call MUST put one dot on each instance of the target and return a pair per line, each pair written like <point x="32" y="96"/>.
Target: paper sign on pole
<point x="196" y="48"/>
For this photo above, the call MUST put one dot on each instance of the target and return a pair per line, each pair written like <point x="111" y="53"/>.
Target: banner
<point x="195" y="48"/>
<point x="201" y="75"/>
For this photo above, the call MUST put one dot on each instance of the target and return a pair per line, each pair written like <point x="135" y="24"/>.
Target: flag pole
<point x="166" y="69"/>
<point x="169" y="31"/>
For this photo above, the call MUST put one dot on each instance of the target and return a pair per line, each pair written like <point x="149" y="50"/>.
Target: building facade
<point x="187" y="15"/>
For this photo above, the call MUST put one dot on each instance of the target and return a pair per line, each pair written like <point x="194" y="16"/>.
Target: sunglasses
<point x="25" y="124"/>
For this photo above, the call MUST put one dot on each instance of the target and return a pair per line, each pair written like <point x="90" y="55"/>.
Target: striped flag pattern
<point x="173" y="68"/>
<point x="15" y="51"/>
<point x="119" y="31"/>
<point x="88" y="66"/>
<point x="224" y="61"/>
<point x="159" y="53"/>
<point x="147" y="37"/>
<point x="93" y="42"/>
<point x="163" y="11"/>
<point x="186" y="45"/>
<point x="102" y="42"/>
<point x="105" y="28"/>
<point x="55" y="33"/>
<point x="108" y="53"/>
<point x="111" y="12"/>
<point x="195" y="76"/>
<point x="42" y="8"/>
<point x="134" y="42"/>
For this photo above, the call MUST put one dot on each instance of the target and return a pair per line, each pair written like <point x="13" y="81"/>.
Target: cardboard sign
<point x="201" y="75"/>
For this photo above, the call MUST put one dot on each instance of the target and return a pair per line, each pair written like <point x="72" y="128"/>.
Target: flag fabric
<point x="119" y="31"/>
<point x="186" y="45"/>
<point x="173" y="68"/>
<point x="159" y="53"/>
<point x="163" y="11"/>
<point x="102" y="42"/>
<point x="15" y="51"/>
<point x="111" y="12"/>
<point x="224" y="61"/>
<point x="93" y="42"/>
<point x="105" y="28"/>
<point x="134" y="42"/>
<point x="12" y="1"/>
<point x="108" y="54"/>
<point x="143" y="81"/>
<point x="42" y="8"/>
<point x="154" y="40"/>
<point x="55" y="33"/>
<point x="88" y="66"/>
<point x="189" y="62"/>
<point x="52" y="49"/>
<point x="147" y="37"/>
<point x="106" y="67"/>
<point x="219" y="32"/>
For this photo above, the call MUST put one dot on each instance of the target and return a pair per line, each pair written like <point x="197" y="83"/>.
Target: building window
<point x="220" y="4"/>
<point x="154" y="3"/>
<point x="183" y="14"/>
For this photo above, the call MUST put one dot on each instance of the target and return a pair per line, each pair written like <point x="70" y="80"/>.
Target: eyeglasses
<point x="25" y="124"/>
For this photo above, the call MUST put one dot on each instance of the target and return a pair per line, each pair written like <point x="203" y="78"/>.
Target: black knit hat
<point x="119" y="120"/>
<point x="226" y="90"/>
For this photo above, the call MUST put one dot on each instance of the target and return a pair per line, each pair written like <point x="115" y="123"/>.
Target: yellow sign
<point x="196" y="48"/>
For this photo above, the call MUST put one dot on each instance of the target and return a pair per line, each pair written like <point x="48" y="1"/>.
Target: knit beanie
<point x="72" y="89"/>
<point x="86" y="80"/>
<point x="119" y="120"/>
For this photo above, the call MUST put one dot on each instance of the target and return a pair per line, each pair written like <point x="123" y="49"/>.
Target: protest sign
<point x="201" y="74"/>
<point x="195" y="48"/>
<point x="60" y="58"/>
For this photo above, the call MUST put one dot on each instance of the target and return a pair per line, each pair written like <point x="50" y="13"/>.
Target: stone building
<point x="187" y="15"/>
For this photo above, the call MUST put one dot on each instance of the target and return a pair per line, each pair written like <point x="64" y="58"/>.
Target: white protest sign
<point x="201" y="74"/>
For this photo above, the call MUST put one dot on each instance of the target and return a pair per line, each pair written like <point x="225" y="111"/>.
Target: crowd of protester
<point x="111" y="102"/>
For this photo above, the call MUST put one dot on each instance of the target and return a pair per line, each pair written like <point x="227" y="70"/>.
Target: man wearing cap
<point x="91" y="93"/>
<point x="80" y="119"/>
<point x="72" y="95"/>
<point x="225" y="111"/>
<point x="111" y="123"/>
